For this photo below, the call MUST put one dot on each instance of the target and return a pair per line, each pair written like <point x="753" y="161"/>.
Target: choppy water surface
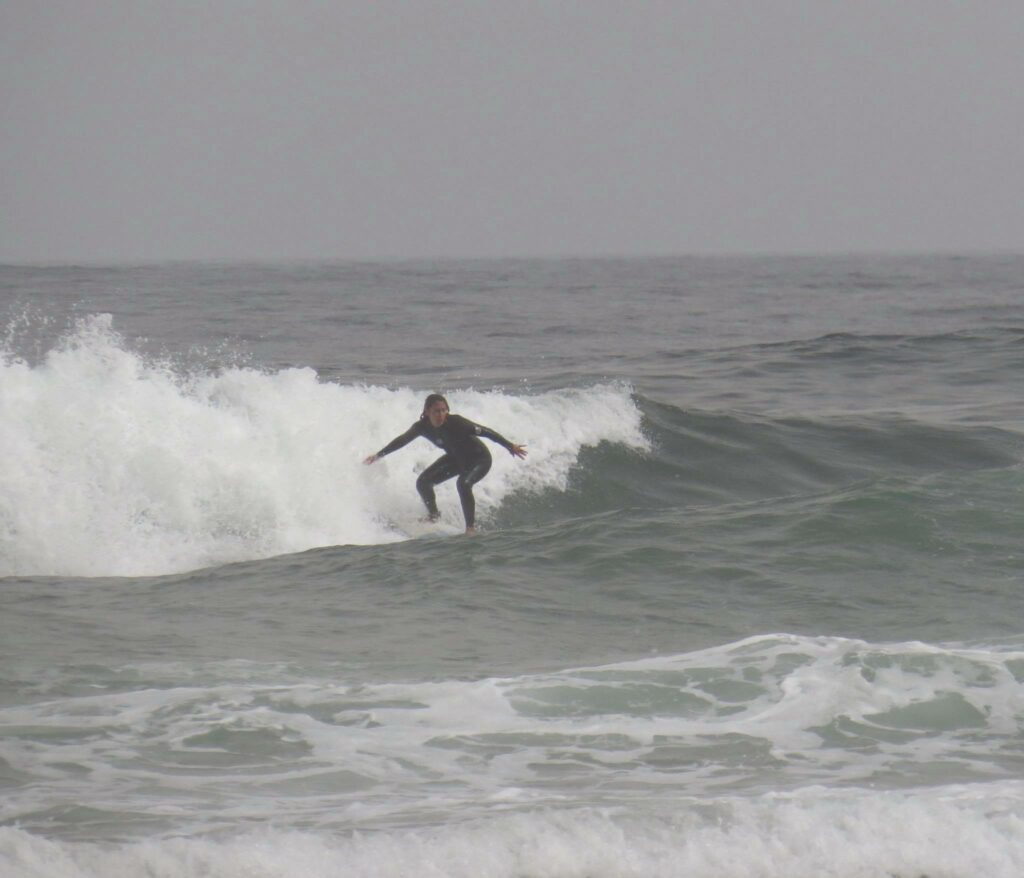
<point x="751" y="606"/>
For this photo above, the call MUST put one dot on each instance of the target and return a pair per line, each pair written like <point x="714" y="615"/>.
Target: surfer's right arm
<point x="396" y="443"/>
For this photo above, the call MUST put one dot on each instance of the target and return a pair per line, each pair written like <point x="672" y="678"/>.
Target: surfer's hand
<point x="518" y="450"/>
<point x="370" y="459"/>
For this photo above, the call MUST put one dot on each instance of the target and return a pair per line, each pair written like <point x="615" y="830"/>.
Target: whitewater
<point x="752" y="606"/>
<point x="120" y="467"/>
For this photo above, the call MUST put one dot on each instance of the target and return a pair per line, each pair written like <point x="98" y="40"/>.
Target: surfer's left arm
<point x="494" y="436"/>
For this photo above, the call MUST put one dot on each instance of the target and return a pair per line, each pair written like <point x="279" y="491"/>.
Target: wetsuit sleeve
<point x="401" y="441"/>
<point x="488" y="433"/>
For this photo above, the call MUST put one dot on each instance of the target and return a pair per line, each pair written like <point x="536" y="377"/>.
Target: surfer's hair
<point x="434" y="397"/>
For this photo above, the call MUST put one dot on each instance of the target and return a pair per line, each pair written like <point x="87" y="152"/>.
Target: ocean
<point x="752" y="607"/>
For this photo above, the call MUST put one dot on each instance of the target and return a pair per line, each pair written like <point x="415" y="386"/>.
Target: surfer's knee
<point x="475" y="474"/>
<point x="465" y="487"/>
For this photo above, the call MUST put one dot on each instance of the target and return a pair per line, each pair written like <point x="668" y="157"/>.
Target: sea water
<point x="752" y="606"/>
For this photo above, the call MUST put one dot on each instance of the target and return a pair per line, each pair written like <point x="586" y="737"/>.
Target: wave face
<point x="118" y="465"/>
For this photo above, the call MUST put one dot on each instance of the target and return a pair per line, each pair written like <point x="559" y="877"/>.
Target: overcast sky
<point x="298" y="129"/>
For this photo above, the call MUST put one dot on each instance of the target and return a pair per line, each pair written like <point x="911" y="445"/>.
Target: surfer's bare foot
<point x="470" y="531"/>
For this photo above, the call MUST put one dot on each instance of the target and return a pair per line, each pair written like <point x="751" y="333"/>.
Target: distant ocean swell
<point x="704" y="763"/>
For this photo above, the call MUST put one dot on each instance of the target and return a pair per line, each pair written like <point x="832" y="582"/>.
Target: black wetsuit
<point x="465" y="456"/>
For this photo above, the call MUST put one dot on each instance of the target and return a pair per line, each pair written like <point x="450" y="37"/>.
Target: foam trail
<point x="116" y="465"/>
<point x="853" y="835"/>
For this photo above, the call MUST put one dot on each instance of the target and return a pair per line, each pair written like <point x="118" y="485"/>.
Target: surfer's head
<point x="435" y="409"/>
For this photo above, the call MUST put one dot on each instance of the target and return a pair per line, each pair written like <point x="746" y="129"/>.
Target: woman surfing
<point x="465" y="455"/>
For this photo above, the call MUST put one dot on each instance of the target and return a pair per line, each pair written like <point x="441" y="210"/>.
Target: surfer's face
<point x="437" y="413"/>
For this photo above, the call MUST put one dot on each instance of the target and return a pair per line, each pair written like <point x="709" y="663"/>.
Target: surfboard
<point x="418" y="529"/>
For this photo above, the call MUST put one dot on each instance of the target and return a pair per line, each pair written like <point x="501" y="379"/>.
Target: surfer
<point x="464" y="456"/>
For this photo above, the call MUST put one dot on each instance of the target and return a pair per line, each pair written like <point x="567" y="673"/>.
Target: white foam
<point x="943" y="834"/>
<point x="751" y="716"/>
<point x="116" y="465"/>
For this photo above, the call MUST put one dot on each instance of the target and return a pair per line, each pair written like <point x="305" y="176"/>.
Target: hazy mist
<point x="168" y="130"/>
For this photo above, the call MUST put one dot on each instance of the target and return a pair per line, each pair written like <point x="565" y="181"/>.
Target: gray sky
<point x="152" y="130"/>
